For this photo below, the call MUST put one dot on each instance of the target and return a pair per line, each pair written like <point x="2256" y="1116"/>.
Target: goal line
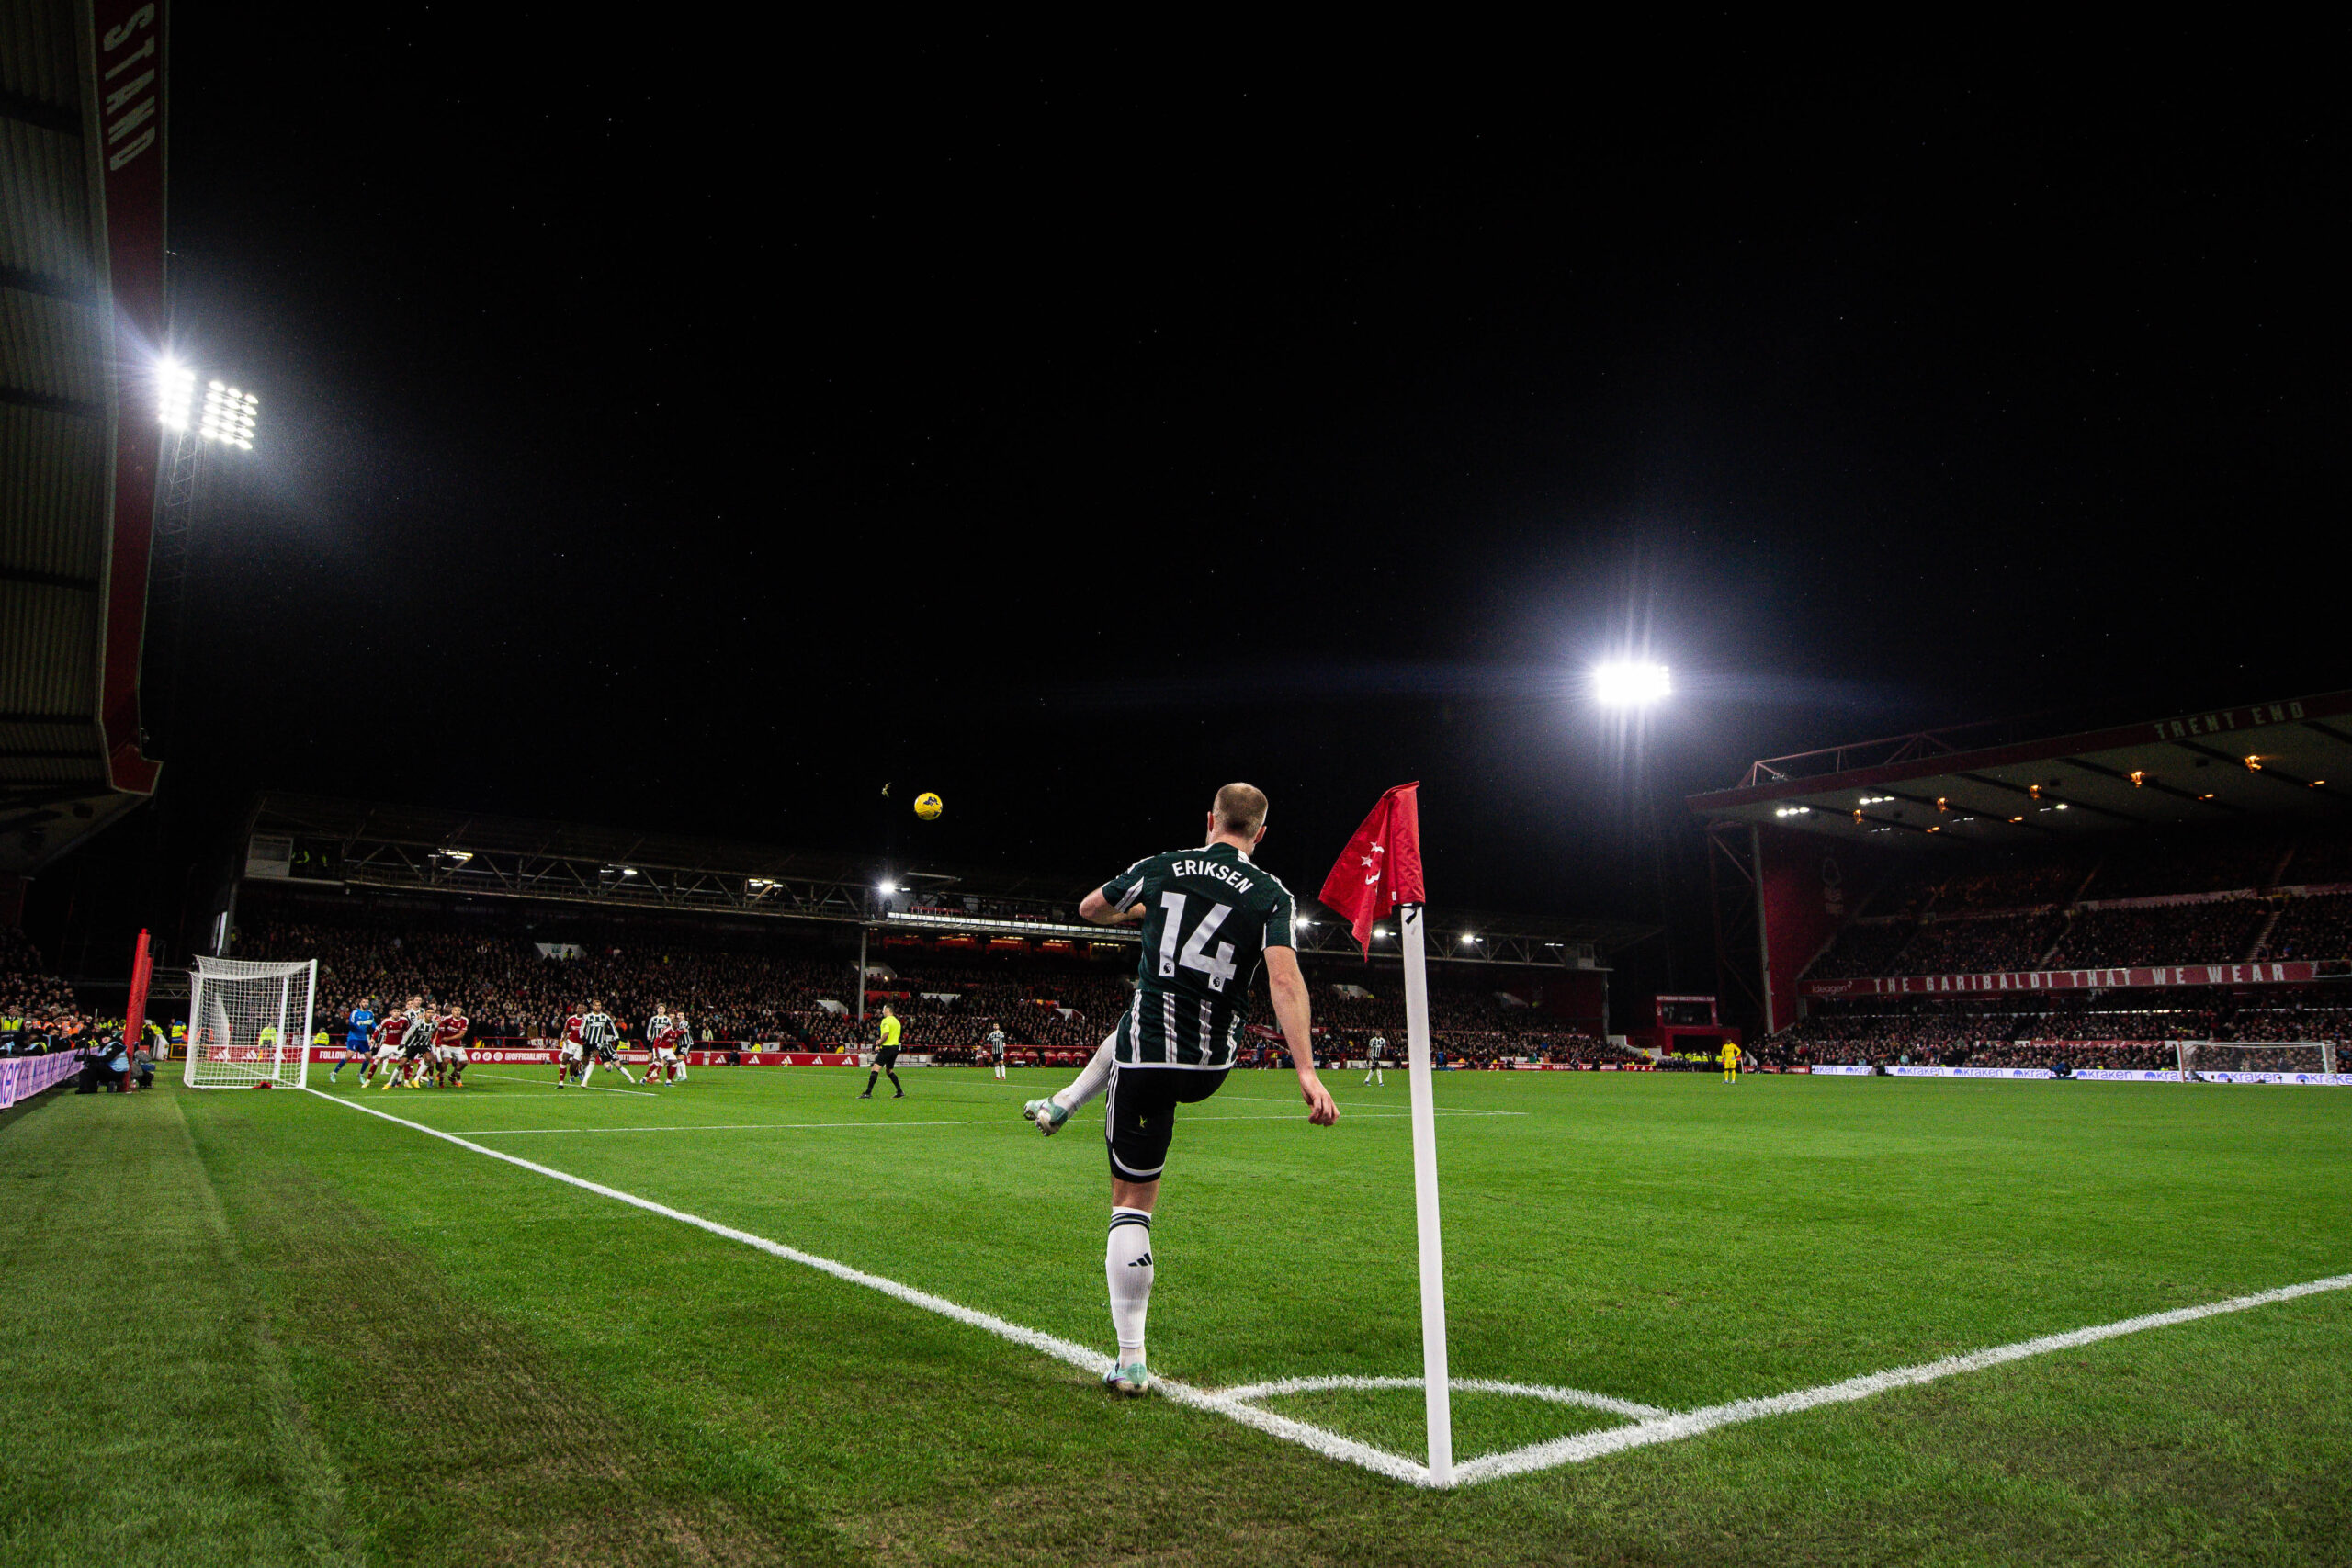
<point x="1647" y="1426"/>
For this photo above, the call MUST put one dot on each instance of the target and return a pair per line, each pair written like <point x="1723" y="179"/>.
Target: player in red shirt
<point x="449" y="1046"/>
<point x="666" y="1032"/>
<point x="392" y="1030"/>
<point x="573" y="1056"/>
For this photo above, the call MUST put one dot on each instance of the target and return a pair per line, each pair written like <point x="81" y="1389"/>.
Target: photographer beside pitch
<point x="1210" y="917"/>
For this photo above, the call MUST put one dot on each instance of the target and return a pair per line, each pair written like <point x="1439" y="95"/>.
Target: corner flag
<point x="1381" y="867"/>
<point x="1379" y="871"/>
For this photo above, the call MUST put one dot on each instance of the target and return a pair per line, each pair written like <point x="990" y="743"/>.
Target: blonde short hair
<point x="1241" y="810"/>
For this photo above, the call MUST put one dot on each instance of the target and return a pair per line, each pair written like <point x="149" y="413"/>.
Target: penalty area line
<point x="598" y="1089"/>
<point x="1331" y="1445"/>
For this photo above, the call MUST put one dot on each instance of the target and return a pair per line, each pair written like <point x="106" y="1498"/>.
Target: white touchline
<point x="1280" y="1386"/>
<point x="1650" y="1425"/>
<point x="1690" y="1422"/>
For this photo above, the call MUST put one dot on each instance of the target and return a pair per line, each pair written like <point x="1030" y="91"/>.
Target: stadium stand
<point x="513" y="988"/>
<point x="2108" y="893"/>
<point x="1865" y="949"/>
<point x="2311" y="927"/>
<point x="2014" y="941"/>
<point x="26" y="988"/>
<point x="2221" y="932"/>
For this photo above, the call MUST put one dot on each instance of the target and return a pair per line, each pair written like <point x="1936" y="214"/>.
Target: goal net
<point x="249" y="1022"/>
<point x="2237" y="1061"/>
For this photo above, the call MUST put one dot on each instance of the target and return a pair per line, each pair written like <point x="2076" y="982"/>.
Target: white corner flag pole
<point x="1438" y="1389"/>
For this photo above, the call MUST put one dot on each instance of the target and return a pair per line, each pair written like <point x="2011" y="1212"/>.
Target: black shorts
<point x="1140" y="1115"/>
<point x="884" y="1059"/>
<point x="412" y="1052"/>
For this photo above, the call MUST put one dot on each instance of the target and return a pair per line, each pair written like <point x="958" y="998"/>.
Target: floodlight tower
<point x="225" y="421"/>
<point x="1631" y="688"/>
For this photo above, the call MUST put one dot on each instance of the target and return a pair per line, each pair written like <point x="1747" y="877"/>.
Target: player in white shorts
<point x="449" y="1058"/>
<point x="572" y="1055"/>
<point x="391" y="1038"/>
<point x="1377" y="1049"/>
<point x="662" y="1041"/>
<point x="383" y="1048"/>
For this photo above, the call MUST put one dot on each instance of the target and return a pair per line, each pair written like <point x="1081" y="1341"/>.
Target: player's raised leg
<point x="1092" y="1079"/>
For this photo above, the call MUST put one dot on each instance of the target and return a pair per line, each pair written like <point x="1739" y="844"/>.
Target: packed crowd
<point x="2319" y="860"/>
<point x="28" y="990"/>
<point x="2103" y="1030"/>
<point x="1865" y="949"/>
<point x="1982" y="945"/>
<point x="512" y="987"/>
<point x="2180" y="933"/>
<point x="2023" y="883"/>
<point x="2317" y="928"/>
<point x="2006" y="910"/>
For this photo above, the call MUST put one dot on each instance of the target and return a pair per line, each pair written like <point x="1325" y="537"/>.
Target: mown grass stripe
<point x="1329" y="1444"/>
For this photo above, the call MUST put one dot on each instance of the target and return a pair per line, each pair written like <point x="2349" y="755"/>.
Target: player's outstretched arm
<point x="1097" y="910"/>
<point x="1289" y="988"/>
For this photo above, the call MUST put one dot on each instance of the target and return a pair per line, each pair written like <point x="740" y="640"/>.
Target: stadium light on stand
<point x="1628" y="683"/>
<point x="228" y="416"/>
<point x="174" y="394"/>
<point x="886" y="887"/>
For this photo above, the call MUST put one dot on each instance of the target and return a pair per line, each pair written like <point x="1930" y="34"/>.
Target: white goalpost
<point x="2250" y="1061"/>
<point x="249" y="1022"/>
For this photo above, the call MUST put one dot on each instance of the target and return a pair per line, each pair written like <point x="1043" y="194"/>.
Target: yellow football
<point x="928" y="807"/>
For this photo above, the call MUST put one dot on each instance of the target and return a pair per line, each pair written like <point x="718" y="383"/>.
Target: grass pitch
<point x="360" y="1344"/>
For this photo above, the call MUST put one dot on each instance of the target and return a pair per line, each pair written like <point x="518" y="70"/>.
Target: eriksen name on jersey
<point x="1230" y="875"/>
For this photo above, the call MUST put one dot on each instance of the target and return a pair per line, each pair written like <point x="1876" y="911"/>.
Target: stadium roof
<point x="1978" y="785"/>
<point x="81" y="312"/>
<point x="322" y="841"/>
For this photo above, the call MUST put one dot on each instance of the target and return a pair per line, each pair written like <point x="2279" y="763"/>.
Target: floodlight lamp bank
<point x="229" y="414"/>
<point x="1632" y="684"/>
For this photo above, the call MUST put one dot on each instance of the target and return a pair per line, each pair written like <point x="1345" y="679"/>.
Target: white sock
<point x="587" y="1073"/>
<point x="1091" y="1081"/>
<point x="1126" y="1263"/>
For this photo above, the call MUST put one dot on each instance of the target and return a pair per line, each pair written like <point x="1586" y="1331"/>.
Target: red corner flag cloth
<point x="1381" y="867"/>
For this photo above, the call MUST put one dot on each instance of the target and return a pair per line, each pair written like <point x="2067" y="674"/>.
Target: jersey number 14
<point x="1194" y="954"/>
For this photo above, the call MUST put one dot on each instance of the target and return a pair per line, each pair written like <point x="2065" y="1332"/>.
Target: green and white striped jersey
<point x="1209" y="917"/>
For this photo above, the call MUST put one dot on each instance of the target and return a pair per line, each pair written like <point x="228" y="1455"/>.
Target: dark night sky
<point x="698" y="431"/>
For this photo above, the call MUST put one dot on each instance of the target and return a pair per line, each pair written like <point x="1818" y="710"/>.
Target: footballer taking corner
<point x="1210" y="917"/>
